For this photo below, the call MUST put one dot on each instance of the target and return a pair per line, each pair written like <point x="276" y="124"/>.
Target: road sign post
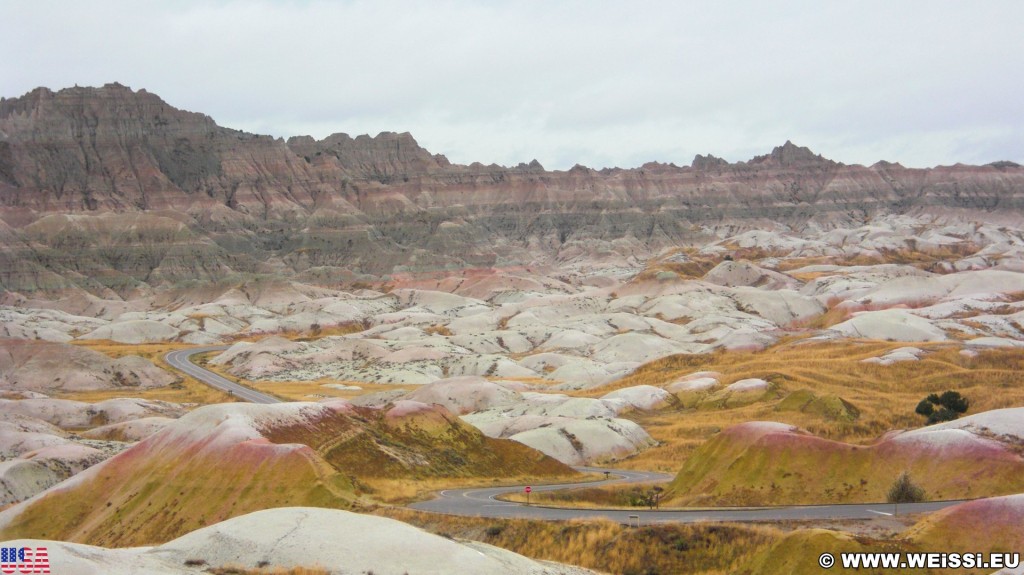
<point x="528" y="490"/>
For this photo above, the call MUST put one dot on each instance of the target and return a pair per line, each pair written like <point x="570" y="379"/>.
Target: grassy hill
<point x="770" y="463"/>
<point x="225" y="460"/>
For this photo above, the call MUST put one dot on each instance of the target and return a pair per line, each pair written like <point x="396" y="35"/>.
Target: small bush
<point x="951" y="404"/>
<point x="954" y="401"/>
<point x="904" y="490"/>
<point x="943" y="414"/>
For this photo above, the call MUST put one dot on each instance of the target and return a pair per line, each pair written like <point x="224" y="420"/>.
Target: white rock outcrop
<point x="337" y="541"/>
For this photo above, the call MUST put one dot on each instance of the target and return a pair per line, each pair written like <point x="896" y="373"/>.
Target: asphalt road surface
<point x="484" y="502"/>
<point x="180" y="360"/>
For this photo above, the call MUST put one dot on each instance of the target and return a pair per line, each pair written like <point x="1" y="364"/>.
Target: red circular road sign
<point x="528" y="489"/>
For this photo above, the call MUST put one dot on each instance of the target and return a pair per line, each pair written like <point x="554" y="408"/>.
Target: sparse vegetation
<point x="606" y="546"/>
<point x="315" y="331"/>
<point x="904" y="490"/>
<point x="185" y="390"/>
<point x="950" y="405"/>
<point x="438" y="329"/>
<point x="610" y="496"/>
<point x="953" y="401"/>
<point x="797" y="552"/>
<point x="943" y="414"/>
<point x="694" y="267"/>
<point x="885" y="396"/>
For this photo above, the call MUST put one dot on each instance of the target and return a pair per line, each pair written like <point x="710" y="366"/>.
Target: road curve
<point x="484" y="502"/>
<point x="180" y="360"/>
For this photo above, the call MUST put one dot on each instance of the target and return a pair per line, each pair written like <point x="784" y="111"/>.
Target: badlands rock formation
<point x="125" y="219"/>
<point x="598" y="334"/>
<point x="549" y="338"/>
<point x="225" y="460"/>
<point x="38" y="448"/>
<point x="70" y="414"/>
<point x="32" y="365"/>
<point x="34" y="471"/>
<point x="498" y="301"/>
<point x="337" y="541"/>
<point x="112" y="191"/>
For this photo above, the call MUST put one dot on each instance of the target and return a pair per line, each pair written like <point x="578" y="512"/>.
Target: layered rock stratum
<point x="114" y="191"/>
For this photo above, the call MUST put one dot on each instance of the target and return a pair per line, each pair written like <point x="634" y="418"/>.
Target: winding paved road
<point x="484" y="502"/>
<point x="181" y="361"/>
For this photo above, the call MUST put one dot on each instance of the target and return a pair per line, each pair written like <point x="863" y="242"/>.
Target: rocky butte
<point x="195" y="201"/>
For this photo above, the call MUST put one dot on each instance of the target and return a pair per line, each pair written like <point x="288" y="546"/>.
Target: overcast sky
<point x="596" y="83"/>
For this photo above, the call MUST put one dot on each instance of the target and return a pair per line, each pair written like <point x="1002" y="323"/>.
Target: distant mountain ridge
<point x="245" y="203"/>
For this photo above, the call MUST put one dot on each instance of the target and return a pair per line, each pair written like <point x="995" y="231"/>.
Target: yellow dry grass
<point x="312" y="390"/>
<point x="696" y="267"/>
<point x="885" y="395"/>
<point x="186" y="390"/>
<point x="316" y="389"/>
<point x="910" y="256"/>
<point x="308" y="335"/>
<point x="629" y="496"/>
<point x="609" y="547"/>
<point x="438" y="329"/>
<point x="402" y="491"/>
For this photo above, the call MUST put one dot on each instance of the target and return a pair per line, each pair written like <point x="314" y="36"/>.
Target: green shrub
<point x="943" y="414"/>
<point x="954" y="401"/>
<point x="904" y="490"/>
<point x="951" y="404"/>
<point x="925" y="408"/>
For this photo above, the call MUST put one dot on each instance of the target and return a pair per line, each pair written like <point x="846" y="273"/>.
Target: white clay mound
<point x="695" y="384"/>
<point x="586" y="441"/>
<point x="67" y="413"/>
<point x="465" y="394"/>
<point x="752" y="384"/>
<point x="35" y="471"/>
<point x="137" y="331"/>
<point x="337" y="541"/>
<point x="642" y="397"/>
<point x="896" y="356"/>
<point x="1004" y="424"/>
<point x="734" y="274"/>
<point x="890" y="324"/>
<point x="134" y="430"/>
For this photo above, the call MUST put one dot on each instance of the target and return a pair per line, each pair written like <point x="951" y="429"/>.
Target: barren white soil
<point x="337" y="541"/>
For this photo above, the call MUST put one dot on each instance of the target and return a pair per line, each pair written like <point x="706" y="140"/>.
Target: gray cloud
<point x="597" y="83"/>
